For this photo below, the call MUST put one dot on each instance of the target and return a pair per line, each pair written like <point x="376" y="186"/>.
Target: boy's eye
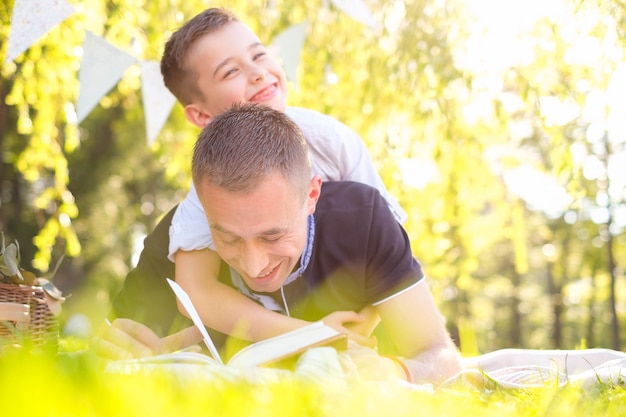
<point x="259" y="55"/>
<point x="230" y="72"/>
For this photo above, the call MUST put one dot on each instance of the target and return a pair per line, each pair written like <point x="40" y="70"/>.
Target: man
<point x="305" y="248"/>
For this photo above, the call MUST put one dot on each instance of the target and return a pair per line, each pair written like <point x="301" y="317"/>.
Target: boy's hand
<point x="357" y="326"/>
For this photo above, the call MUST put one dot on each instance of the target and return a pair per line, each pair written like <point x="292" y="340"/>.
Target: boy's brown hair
<point x="177" y="76"/>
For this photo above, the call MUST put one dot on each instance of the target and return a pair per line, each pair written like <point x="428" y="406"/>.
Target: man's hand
<point x="371" y="366"/>
<point x="126" y="339"/>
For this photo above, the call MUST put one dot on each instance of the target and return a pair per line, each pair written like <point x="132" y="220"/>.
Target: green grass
<point x="74" y="384"/>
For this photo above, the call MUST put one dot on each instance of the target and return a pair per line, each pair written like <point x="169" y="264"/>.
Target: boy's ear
<point x="197" y="116"/>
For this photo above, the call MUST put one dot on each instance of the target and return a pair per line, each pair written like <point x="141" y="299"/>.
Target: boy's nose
<point x="258" y="73"/>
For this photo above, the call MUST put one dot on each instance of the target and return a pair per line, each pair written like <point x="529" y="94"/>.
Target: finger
<point x="367" y="341"/>
<point x="108" y="350"/>
<point x="347" y="316"/>
<point x="182" y="340"/>
<point x="138" y="332"/>
<point x="120" y="341"/>
<point x="369" y="319"/>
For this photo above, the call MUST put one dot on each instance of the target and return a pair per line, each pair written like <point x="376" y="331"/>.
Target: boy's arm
<point x="196" y="270"/>
<point x="221" y="307"/>
<point x="230" y="312"/>
<point x="417" y="330"/>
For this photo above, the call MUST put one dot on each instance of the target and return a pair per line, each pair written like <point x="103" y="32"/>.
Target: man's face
<point x="233" y="66"/>
<point x="262" y="233"/>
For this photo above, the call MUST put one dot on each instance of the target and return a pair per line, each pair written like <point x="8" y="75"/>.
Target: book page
<point x="195" y="318"/>
<point x="286" y="345"/>
<point x="180" y="361"/>
<point x="180" y="356"/>
<point x="268" y="351"/>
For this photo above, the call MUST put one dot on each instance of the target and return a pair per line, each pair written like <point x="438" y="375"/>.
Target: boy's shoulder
<point x="319" y="125"/>
<point x="309" y="117"/>
<point x="304" y="114"/>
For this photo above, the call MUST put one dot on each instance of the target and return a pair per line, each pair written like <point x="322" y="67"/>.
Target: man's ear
<point x="197" y="116"/>
<point x="313" y="195"/>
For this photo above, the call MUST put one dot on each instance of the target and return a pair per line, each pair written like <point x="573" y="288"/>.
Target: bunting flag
<point x="157" y="99"/>
<point x="357" y="10"/>
<point x="103" y="64"/>
<point x="31" y="19"/>
<point x="289" y="44"/>
<point x="101" y="68"/>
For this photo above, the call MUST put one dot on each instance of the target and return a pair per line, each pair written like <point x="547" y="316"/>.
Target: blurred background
<point x="499" y="125"/>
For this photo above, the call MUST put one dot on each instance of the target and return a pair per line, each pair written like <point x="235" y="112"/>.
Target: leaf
<point x="9" y="261"/>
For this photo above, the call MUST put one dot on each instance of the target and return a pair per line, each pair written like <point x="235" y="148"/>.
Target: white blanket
<point x="528" y="368"/>
<point x="506" y="368"/>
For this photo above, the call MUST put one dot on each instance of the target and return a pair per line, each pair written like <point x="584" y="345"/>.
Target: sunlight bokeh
<point x="501" y="36"/>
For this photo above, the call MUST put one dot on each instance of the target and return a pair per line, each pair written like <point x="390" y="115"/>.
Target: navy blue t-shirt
<point x="361" y="255"/>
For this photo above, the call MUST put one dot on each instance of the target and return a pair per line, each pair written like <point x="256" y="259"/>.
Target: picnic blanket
<point x="506" y="368"/>
<point x="529" y="368"/>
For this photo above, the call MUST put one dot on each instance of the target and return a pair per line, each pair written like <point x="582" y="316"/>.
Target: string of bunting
<point x="103" y="64"/>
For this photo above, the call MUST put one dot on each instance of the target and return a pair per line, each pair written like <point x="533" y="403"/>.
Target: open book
<point x="281" y="351"/>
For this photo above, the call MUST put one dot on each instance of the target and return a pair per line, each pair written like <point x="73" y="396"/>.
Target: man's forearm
<point x="434" y="366"/>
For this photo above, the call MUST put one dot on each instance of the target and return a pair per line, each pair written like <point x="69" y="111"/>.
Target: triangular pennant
<point x="31" y="19"/>
<point x="289" y="44"/>
<point x="357" y="10"/>
<point x="101" y="68"/>
<point x="157" y="99"/>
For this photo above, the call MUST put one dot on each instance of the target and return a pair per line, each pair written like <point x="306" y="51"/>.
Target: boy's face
<point x="261" y="233"/>
<point x="232" y="66"/>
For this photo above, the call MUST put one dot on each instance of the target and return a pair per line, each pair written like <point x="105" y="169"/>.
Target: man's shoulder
<point x="348" y="193"/>
<point x="349" y="186"/>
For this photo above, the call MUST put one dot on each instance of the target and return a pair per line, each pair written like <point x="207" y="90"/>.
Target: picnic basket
<point x="26" y="318"/>
<point x="28" y="305"/>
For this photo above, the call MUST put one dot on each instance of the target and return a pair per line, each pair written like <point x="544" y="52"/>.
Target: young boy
<point x="211" y="62"/>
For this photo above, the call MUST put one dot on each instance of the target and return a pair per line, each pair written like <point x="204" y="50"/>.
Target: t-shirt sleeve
<point x="189" y="229"/>
<point x="391" y="266"/>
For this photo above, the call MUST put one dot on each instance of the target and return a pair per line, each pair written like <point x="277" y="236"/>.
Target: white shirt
<point x="337" y="153"/>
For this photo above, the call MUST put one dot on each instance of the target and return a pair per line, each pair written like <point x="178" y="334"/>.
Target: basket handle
<point x="17" y="313"/>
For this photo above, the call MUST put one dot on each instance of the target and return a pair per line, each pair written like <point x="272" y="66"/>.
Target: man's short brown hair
<point x="245" y="144"/>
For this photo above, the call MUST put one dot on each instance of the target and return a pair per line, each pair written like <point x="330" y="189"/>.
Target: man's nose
<point x="255" y="260"/>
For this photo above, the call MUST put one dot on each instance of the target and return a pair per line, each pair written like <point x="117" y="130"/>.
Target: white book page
<point x="278" y="346"/>
<point x="195" y="318"/>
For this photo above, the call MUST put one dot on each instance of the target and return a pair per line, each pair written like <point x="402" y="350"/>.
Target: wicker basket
<point x="40" y="329"/>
